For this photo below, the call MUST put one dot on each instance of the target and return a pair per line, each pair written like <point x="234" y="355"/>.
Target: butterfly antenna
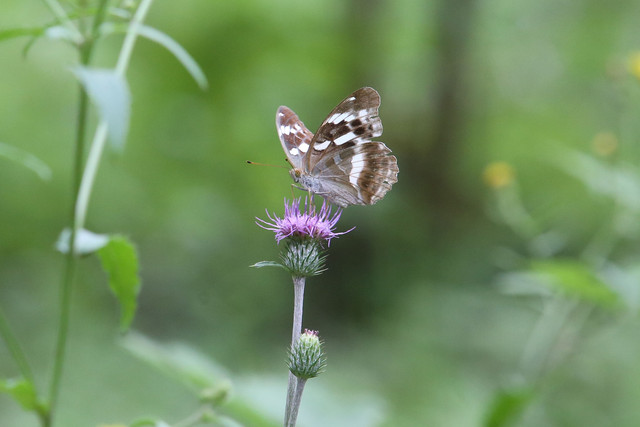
<point x="265" y="164"/>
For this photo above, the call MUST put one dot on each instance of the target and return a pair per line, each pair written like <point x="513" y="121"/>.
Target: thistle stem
<point x="295" y="404"/>
<point x="298" y="301"/>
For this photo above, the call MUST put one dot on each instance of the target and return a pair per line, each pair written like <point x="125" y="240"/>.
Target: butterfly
<point x="340" y="162"/>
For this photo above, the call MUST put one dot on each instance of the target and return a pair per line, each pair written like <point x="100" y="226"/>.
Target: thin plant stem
<point x="295" y="404"/>
<point x="15" y="349"/>
<point x="82" y="186"/>
<point x="298" y="302"/>
<point x="70" y="259"/>
<point x="541" y="341"/>
<point x="130" y="38"/>
<point x="63" y="328"/>
<point x="100" y="137"/>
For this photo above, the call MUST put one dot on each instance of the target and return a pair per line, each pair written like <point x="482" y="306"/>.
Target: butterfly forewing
<point x="294" y="136"/>
<point x="354" y="119"/>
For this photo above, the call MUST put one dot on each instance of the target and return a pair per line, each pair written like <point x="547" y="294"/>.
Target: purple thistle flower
<point x="306" y="223"/>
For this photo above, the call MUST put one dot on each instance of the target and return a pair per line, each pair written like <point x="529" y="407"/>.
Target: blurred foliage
<point x="498" y="282"/>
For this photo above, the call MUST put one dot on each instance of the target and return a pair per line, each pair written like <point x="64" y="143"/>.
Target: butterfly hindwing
<point x="359" y="173"/>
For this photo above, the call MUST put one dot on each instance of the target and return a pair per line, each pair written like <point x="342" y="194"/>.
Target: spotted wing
<point x="294" y="136"/>
<point x="353" y="169"/>
<point x="357" y="173"/>
<point x="355" y="120"/>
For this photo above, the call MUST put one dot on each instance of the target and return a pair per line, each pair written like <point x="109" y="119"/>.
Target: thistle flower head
<point x="308" y="223"/>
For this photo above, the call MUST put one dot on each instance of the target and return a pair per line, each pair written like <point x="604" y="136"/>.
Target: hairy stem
<point x="298" y="301"/>
<point x="295" y="404"/>
<point x="298" y="295"/>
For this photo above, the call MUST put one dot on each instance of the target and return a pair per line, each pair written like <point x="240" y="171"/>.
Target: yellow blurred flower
<point x="604" y="143"/>
<point x="498" y="174"/>
<point x="634" y="64"/>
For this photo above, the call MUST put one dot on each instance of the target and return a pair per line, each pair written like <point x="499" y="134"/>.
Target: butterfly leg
<point x="298" y="187"/>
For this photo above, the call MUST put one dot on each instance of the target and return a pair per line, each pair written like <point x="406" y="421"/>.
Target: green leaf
<point x="120" y="262"/>
<point x="268" y="264"/>
<point x="110" y="93"/>
<point x="178" y="51"/>
<point x="507" y="406"/>
<point x="179" y="361"/>
<point x="576" y="279"/>
<point x="26" y="159"/>
<point x="21" y="32"/>
<point x="24" y="393"/>
<point x="87" y="242"/>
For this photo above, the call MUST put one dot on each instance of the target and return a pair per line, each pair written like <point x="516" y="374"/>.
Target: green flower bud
<point x="306" y="359"/>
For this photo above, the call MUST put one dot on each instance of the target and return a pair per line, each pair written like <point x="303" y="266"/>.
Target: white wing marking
<point x="357" y="165"/>
<point x="321" y="146"/>
<point x="344" y="138"/>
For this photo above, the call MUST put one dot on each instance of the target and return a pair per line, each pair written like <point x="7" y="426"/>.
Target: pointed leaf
<point x="178" y="51"/>
<point x="87" y="242"/>
<point x="26" y="159"/>
<point x="120" y="262"/>
<point x="576" y="279"/>
<point x="267" y="264"/>
<point x="110" y="93"/>
<point x="507" y="407"/>
<point x="168" y="43"/>
<point x="179" y="361"/>
<point x="21" y="32"/>
<point x="24" y="393"/>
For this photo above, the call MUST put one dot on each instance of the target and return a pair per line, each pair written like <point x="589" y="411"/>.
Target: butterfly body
<point x="340" y="162"/>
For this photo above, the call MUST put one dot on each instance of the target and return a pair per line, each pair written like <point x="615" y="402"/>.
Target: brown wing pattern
<point x="358" y="174"/>
<point x="294" y="136"/>
<point x="354" y="119"/>
<point x="341" y="162"/>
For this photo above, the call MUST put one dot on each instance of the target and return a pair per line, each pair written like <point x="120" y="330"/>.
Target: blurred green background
<point x="433" y="310"/>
